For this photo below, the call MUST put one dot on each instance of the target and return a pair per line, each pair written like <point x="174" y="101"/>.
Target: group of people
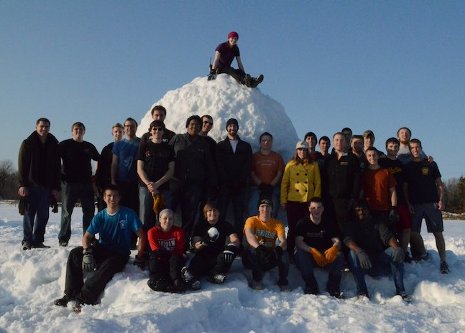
<point x="352" y="206"/>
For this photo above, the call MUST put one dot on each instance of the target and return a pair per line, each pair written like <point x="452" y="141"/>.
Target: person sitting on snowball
<point x="373" y="250"/>
<point x="318" y="246"/>
<point x="167" y="254"/>
<point x="115" y="226"/>
<point x="262" y="253"/>
<point x="224" y="56"/>
<point x="212" y="257"/>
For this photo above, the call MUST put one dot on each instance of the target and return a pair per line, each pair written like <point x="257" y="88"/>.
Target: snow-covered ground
<point x="31" y="280"/>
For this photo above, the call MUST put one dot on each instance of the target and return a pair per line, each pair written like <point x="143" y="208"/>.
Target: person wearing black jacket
<point x="341" y="179"/>
<point x="194" y="173"/>
<point x="103" y="171"/>
<point x="76" y="155"/>
<point x="234" y="160"/>
<point x="216" y="245"/>
<point x="374" y="250"/>
<point x="39" y="180"/>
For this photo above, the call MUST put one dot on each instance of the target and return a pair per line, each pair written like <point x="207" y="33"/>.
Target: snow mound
<point x="222" y="99"/>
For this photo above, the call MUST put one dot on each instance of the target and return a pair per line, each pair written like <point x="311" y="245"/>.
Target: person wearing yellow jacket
<point x="301" y="181"/>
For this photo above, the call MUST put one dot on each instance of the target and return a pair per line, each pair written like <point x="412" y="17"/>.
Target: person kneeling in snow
<point x="318" y="246"/>
<point x="262" y="254"/>
<point x="211" y="257"/>
<point x="167" y="254"/>
<point x="224" y="56"/>
<point x="373" y="250"/>
<point x="115" y="226"/>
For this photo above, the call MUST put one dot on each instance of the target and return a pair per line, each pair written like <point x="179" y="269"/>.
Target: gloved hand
<point x="23" y="205"/>
<point x="331" y="254"/>
<point x="398" y="254"/>
<point x="364" y="259"/>
<point x="213" y="73"/>
<point x="158" y="203"/>
<point x="53" y="204"/>
<point x="139" y="262"/>
<point x="230" y="252"/>
<point x="393" y="216"/>
<point x="318" y="257"/>
<point x="88" y="261"/>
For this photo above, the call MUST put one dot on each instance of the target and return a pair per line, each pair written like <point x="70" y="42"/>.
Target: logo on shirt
<point x="265" y="233"/>
<point x="123" y="224"/>
<point x="167" y="244"/>
<point x="425" y="171"/>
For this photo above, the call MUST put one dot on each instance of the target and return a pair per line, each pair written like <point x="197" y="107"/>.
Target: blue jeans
<point x="36" y="217"/>
<point x="251" y="261"/>
<point x="254" y="196"/>
<point x="382" y="265"/>
<point x="305" y="263"/>
<point x="70" y="194"/>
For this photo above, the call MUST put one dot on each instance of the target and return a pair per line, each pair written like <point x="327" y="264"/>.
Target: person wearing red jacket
<point x="166" y="254"/>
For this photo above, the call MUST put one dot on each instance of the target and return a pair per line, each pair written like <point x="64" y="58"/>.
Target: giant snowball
<point x="222" y="99"/>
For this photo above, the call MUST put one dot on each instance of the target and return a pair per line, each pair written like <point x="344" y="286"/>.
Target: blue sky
<point x="364" y="64"/>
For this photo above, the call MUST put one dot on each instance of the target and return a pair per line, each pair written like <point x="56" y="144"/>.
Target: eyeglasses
<point x="159" y="129"/>
<point x="208" y="122"/>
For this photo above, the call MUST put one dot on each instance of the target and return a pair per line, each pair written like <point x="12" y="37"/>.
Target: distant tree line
<point x="455" y="195"/>
<point x="455" y="188"/>
<point x="8" y="181"/>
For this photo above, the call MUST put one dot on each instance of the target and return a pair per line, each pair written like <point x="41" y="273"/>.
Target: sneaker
<point x="405" y="297"/>
<point x="63" y="243"/>
<point x="26" y="245"/>
<point x="62" y="301"/>
<point x="40" y="246"/>
<point x="217" y="278"/>
<point x="77" y="306"/>
<point x="444" y="268"/>
<point x="256" y="285"/>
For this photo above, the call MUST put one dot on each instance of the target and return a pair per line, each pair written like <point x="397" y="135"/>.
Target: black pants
<point x="237" y="74"/>
<point x="108" y="264"/>
<point x="251" y="260"/>
<point x="208" y="263"/>
<point x="165" y="267"/>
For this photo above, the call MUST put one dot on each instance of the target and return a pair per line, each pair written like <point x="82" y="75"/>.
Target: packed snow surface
<point x="31" y="280"/>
